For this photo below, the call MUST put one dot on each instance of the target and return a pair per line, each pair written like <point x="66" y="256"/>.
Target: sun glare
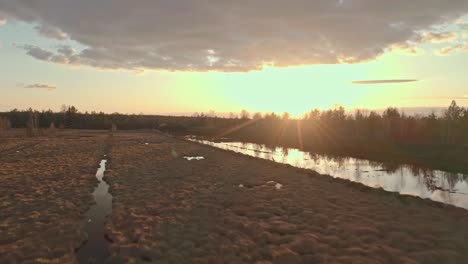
<point x="297" y="90"/>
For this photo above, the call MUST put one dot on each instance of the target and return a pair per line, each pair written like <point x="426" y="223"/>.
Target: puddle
<point x="194" y="158"/>
<point x="95" y="249"/>
<point x="440" y="186"/>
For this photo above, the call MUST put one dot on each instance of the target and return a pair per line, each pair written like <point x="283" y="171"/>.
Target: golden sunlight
<point x="299" y="89"/>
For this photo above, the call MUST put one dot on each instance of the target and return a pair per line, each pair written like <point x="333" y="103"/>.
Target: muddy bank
<point x="45" y="189"/>
<point x="222" y="209"/>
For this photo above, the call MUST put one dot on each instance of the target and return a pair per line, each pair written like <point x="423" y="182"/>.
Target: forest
<point x="332" y="130"/>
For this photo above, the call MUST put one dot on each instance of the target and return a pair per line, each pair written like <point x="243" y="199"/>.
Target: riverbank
<point x="446" y="158"/>
<point x="440" y="186"/>
<point x="226" y="208"/>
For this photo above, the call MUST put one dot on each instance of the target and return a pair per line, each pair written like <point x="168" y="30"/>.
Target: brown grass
<point x="45" y="189"/>
<point x="170" y="210"/>
<point x="4" y="123"/>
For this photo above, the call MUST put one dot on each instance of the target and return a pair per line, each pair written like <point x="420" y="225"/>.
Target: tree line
<point x="330" y="128"/>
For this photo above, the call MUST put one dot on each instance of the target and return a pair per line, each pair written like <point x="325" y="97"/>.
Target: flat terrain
<point x="45" y="189"/>
<point x="170" y="210"/>
<point x="222" y="209"/>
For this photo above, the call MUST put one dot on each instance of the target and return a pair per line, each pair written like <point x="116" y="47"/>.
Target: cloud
<point x="64" y="54"/>
<point x="462" y="24"/>
<point x="51" y="32"/>
<point x="36" y="52"/>
<point x="3" y="18"/>
<point x="440" y="37"/>
<point x="409" y="47"/>
<point x="39" y="86"/>
<point x="460" y="47"/>
<point x="384" y="81"/>
<point x="412" y="45"/>
<point x="226" y="35"/>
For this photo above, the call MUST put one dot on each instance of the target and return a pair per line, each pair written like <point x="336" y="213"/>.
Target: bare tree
<point x="232" y="115"/>
<point x="32" y="124"/>
<point x="211" y="114"/>
<point x="113" y="127"/>
<point x="245" y="114"/>
<point x="4" y="123"/>
<point x="52" y="128"/>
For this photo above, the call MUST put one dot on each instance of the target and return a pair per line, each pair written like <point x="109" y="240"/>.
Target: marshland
<point x="170" y="194"/>
<point x="263" y="132"/>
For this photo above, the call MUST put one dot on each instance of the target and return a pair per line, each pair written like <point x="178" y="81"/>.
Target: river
<point x="440" y="186"/>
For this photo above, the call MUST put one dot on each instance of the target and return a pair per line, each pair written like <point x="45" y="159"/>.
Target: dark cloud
<point x="384" y="81"/>
<point x="40" y="86"/>
<point x="64" y="54"/>
<point x="66" y="50"/>
<point x="51" y="32"/>
<point x="36" y="52"/>
<point x="412" y="44"/>
<point x="227" y="35"/>
<point x="3" y="19"/>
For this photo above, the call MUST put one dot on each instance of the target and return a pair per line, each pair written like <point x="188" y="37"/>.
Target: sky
<point x="186" y="56"/>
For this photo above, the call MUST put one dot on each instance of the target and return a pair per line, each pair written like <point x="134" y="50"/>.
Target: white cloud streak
<point x="39" y="86"/>
<point x="384" y="81"/>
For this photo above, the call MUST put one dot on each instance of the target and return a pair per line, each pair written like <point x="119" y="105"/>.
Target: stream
<point x="95" y="249"/>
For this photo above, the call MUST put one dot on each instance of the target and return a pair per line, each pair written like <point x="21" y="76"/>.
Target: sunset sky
<point x="185" y="56"/>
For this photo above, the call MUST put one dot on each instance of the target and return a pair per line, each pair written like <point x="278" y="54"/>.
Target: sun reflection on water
<point x="441" y="186"/>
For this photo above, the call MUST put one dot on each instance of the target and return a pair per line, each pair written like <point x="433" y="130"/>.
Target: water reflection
<point x="441" y="186"/>
<point x="96" y="250"/>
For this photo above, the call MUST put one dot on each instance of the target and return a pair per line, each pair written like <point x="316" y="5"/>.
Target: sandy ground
<point x="217" y="210"/>
<point x="223" y="210"/>
<point x="45" y="189"/>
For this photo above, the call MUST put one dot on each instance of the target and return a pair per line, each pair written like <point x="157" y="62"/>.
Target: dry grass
<point x="45" y="189"/>
<point x="4" y="123"/>
<point x="170" y="210"/>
